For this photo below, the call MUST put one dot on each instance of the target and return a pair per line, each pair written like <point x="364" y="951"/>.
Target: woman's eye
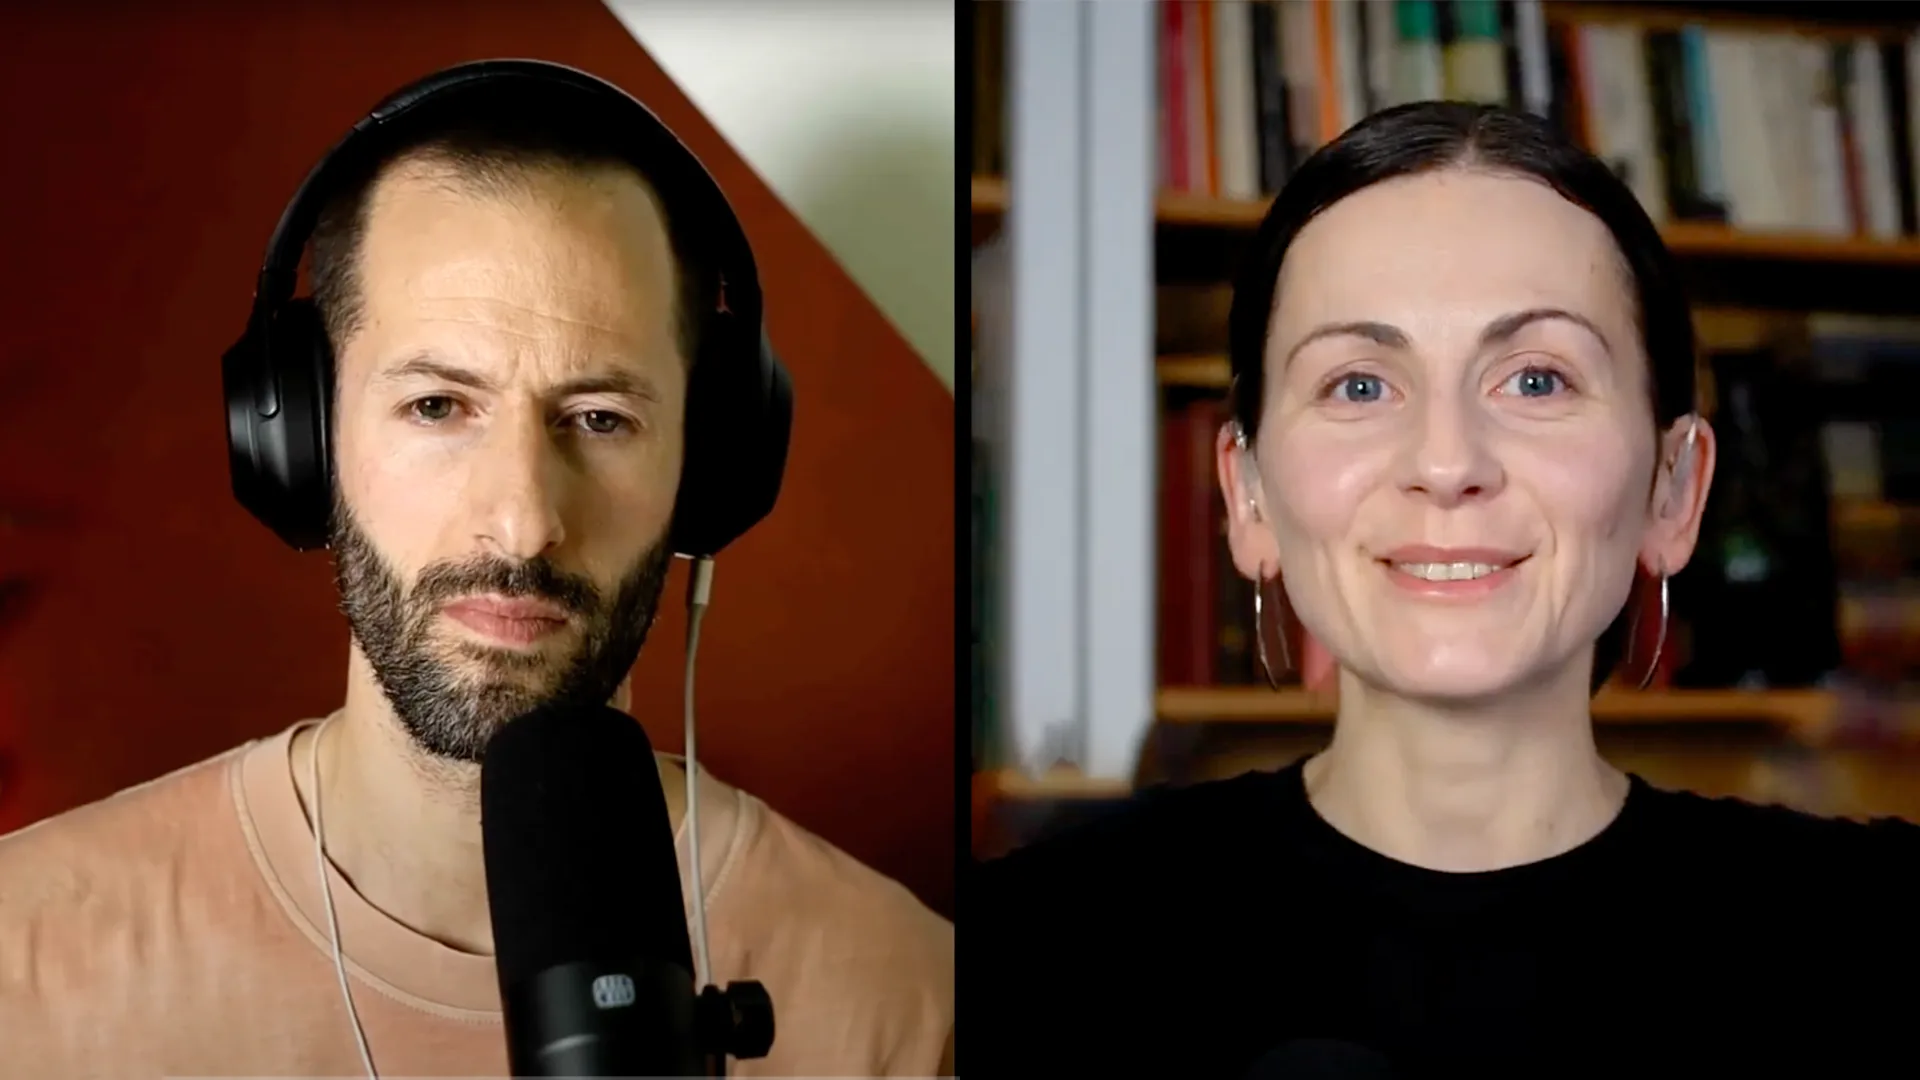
<point x="1359" y="389"/>
<point x="1534" y="382"/>
<point x="433" y="409"/>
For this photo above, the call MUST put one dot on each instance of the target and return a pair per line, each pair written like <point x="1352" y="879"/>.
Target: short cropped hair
<point x="495" y="142"/>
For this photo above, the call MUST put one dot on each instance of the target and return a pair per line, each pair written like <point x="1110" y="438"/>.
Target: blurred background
<point x="146" y="622"/>
<point x="846" y="109"/>
<point x="1122" y="154"/>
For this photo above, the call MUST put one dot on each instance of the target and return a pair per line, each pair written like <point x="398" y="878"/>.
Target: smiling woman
<point x="1463" y="423"/>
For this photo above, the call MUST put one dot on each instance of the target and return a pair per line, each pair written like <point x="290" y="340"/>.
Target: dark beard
<point x="451" y="697"/>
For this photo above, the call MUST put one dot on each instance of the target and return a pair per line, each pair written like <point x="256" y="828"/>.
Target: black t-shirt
<point x="1226" y="930"/>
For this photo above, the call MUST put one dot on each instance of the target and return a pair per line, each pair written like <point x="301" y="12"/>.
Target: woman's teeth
<point x="1459" y="571"/>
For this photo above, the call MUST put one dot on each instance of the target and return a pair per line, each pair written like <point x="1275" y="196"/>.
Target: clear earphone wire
<point x="699" y="591"/>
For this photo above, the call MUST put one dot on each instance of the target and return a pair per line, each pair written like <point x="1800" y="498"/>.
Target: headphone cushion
<point x="739" y="401"/>
<point x="739" y="419"/>
<point x="279" y="388"/>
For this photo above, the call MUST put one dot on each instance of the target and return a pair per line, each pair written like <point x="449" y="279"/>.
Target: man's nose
<point x="518" y="483"/>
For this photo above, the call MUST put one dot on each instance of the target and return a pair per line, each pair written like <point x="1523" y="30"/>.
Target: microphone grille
<point x="580" y="860"/>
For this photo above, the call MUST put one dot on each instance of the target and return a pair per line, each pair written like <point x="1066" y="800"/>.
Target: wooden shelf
<point x="1701" y="240"/>
<point x="1871" y="515"/>
<point x="1057" y="784"/>
<point x="1831" y="17"/>
<point x="989" y="205"/>
<point x="1186" y="210"/>
<point x="1195" y="372"/>
<point x="989" y="195"/>
<point x="1687" y="240"/>
<point x="1806" y="712"/>
<point x="1801" y="711"/>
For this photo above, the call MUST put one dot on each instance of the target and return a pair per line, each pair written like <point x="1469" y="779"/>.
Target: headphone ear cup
<point x="739" y="422"/>
<point x="279" y="386"/>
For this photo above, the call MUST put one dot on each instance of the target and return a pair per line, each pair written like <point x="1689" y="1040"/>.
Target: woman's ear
<point x="1256" y="554"/>
<point x="1680" y="495"/>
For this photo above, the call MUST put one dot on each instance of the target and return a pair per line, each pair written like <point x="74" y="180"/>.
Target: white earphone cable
<point x="326" y="895"/>
<point x="699" y="592"/>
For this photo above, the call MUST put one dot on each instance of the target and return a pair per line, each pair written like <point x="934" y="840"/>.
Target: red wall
<point x="150" y="623"/>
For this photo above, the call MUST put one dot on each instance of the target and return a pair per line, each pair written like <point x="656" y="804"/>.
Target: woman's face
<point x="1454" y="466"/>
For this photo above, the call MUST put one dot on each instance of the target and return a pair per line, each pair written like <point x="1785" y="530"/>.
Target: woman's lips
<point x="509" y="622"/>
<point x="1462" y="589"/>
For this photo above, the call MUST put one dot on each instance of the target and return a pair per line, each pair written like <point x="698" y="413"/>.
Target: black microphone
<point x="583" y="884"/>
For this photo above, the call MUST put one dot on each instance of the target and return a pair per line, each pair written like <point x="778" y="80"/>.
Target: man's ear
<point x="1680" y="495"/>
<point x="1256" y="554"/>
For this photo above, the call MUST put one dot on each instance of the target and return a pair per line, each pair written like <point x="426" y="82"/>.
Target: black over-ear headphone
<point x="279" y="375"/>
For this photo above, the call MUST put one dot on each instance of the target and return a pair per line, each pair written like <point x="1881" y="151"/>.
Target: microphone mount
<point x="736" y="1022"/>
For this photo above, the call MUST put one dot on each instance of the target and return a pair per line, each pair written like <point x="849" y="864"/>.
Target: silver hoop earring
<point x="1260" y="636"/>
<point x="1659" y="642"/>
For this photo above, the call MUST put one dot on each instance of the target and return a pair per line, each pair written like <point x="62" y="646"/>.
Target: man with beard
<point x="514" y="312"/>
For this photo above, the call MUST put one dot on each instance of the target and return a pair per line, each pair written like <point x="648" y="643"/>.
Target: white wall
<point x="845" y="108"/>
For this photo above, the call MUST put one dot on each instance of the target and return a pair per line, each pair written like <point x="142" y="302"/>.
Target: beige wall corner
<point x="846" y="109"/>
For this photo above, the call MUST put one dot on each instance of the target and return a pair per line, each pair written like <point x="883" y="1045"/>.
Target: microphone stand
<point x="736" y="1022"/>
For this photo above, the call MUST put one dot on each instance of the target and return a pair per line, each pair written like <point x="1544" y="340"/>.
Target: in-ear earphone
<point x="1682" y="468"/>
<point x="1249" y="471"/>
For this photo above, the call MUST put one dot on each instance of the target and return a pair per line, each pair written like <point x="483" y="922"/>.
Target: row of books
<point x="1249" y="88"/>
<point x="1760" y="130"/>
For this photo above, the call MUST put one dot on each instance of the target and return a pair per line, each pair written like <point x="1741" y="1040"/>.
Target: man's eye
<point x="433" y="409"/>
<point x="602" y="422"/>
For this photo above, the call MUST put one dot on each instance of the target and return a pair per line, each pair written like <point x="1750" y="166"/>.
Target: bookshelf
<point x="1753" y="287"/>
<point x="1687" y="240"/>
<point x="1805" y="714"/>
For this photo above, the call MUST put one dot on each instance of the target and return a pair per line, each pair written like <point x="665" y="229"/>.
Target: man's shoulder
<point x="85" y="893"/>
<point x="861" y="971"/>
<point x="117" y="836"/>
<point x="846" y="905"/>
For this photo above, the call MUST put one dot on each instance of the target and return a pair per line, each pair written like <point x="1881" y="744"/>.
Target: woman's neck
<point x="1479" y="788"/>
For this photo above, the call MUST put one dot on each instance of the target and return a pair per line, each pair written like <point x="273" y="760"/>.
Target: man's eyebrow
<point x="1499" y="330"/>
<point x="617" y="381"/>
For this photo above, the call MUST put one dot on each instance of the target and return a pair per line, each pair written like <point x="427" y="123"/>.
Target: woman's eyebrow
<point x="1497" y="331"/>
<point x="1379" y="333"/>
<point x="1506" y="326"/>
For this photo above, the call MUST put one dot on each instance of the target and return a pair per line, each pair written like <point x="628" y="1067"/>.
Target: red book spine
<point x="1189" y="497"/>
<point x="1173" y="87"/>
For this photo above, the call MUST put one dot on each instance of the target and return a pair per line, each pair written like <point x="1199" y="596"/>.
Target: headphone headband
<point x="648" y="145"/>
<point x="278" y="377"/>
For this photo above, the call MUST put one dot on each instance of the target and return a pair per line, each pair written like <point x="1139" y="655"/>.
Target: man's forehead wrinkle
<point x="517" y="331"/>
